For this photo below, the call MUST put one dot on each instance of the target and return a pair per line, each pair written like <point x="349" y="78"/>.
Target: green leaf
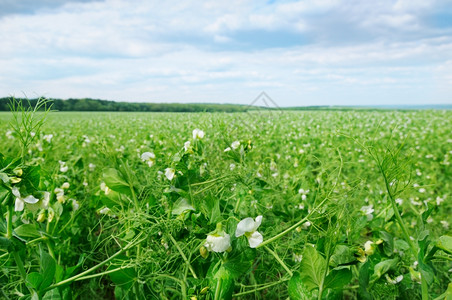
<point x="180" y="206"/>
<point x="445" y="243"/>
<point x="388" y="245"/>
<point x="53" y="294"/>
<point x="401" y="245"/>
<point x="48" y="266"/>
<point x="27" y="230"/>
<point x="312" y="268"/>
<point x="124" y="277"/>
<point x="426" y="271"/>
<point x="342" y="255"/>
<point x="70" y="270"/>
<point x="31" y="177"/>
<point x="116" y="182"/>
<point x="333" y="294"/>
<point x="363" y="280"/>
<point x="5" y="243"/>
<point x="297" y="289"/>
<point x="34" y="279"/>
<point x="337" y="279"/>
<point x="4" y="177"/>
<point x="4" y="196"/>
<point x="240" y="264"/>
<point x="224" y="279"/>
<point x="59" y="272"/>
<point x="383" y="267"/>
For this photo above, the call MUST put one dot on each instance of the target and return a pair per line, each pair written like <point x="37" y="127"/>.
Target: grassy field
<point x="258" y="205"/>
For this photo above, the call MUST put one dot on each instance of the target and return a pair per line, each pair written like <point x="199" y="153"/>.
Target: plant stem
<point x="181" y="282"/>
<point x="260" y="288"/>
<point x="279" y="235"/>
<point x="73" y="278"/>
<point x="396" y="212"/>
<point x="264" y="243"/>
<point x="50" y="248"/>
<point x="9" y="226"/>
<point x="183" y="255"/>
<point x="275" y="255"/>
<point x="217" y="289"/>
<point x="414" y="250"/>
<point x="101" y="274"/>
<point x="20" y="266"/>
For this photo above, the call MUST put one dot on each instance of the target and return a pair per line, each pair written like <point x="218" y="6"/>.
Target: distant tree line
<point x="88" y="104"/>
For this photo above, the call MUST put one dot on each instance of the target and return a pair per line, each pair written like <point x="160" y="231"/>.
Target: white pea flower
<point x="105" y="188"/>
<point x="235" y="145"/>
<point x="104" y="211"/>
<point x="149" y="158"/>
<point x="30" y="200"/>
<point x="227" y="149"/>
<point x="75" y="204"/>
<point x="439" y="200"/>
<point x="169" y="173"/>
<point x="59" y="194"/>
<point x="297" y="257"/>
<point x="445" y="224"/>
<point x="306" y="225"/>
<point x="369" y="247"/>
<point x="198" y="134"/>
<point x="48" y="138"/>
<point x="91" y="167"/>
<point x="368" y="210"/>
<point x="395" y="280"/>
<point x="218" y="242"/>
<point x="187" y="146"/>
<point x="20" y="201"/>
<point x="9" y="134"/>
<point x="63" y="167"/>
<point x="248" y="227"/>
<point x="65" y="185"/>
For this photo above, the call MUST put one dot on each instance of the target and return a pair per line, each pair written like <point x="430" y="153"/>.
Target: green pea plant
<point x="176" y="206"/>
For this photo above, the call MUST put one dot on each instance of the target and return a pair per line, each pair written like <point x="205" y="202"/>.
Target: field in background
<point x="354" y="204"/>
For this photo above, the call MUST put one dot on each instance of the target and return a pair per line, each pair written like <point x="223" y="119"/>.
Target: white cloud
<point x="190" y="51"/>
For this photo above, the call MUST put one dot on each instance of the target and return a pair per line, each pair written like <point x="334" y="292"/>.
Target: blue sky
<point x="299" y="52"/>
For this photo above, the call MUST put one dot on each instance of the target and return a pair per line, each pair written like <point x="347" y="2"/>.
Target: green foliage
<point x="109" y="222"/>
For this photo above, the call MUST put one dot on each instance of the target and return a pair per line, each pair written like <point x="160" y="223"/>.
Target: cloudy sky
<point x="310" y="52"/>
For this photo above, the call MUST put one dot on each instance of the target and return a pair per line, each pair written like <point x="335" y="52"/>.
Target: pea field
<point x="352" y="204"/>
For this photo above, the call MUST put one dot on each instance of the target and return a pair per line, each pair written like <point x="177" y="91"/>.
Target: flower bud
<point x="369" y="247"/>
<point x="15" y="179"/>
<point x="41" y="217"/>
<point x="18" y="172"/>
<point x="204" y="252"/>
<point x="51" y="215"/>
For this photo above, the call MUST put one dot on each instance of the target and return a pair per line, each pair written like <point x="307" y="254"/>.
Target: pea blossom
<point x="235" y="145"/>
<point x="169" y="173"/>
<point x="29" y="200"/>
<point x="198" y="134"/>
<point x="63" y="166"/>
<point x="187" y="146"/>
<point x="369" y="247"/>
<point x="149" y="158"/>
<point x="368" y="210"/>
<point x="218" y="242"/>
<point x="248" y="227"/>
